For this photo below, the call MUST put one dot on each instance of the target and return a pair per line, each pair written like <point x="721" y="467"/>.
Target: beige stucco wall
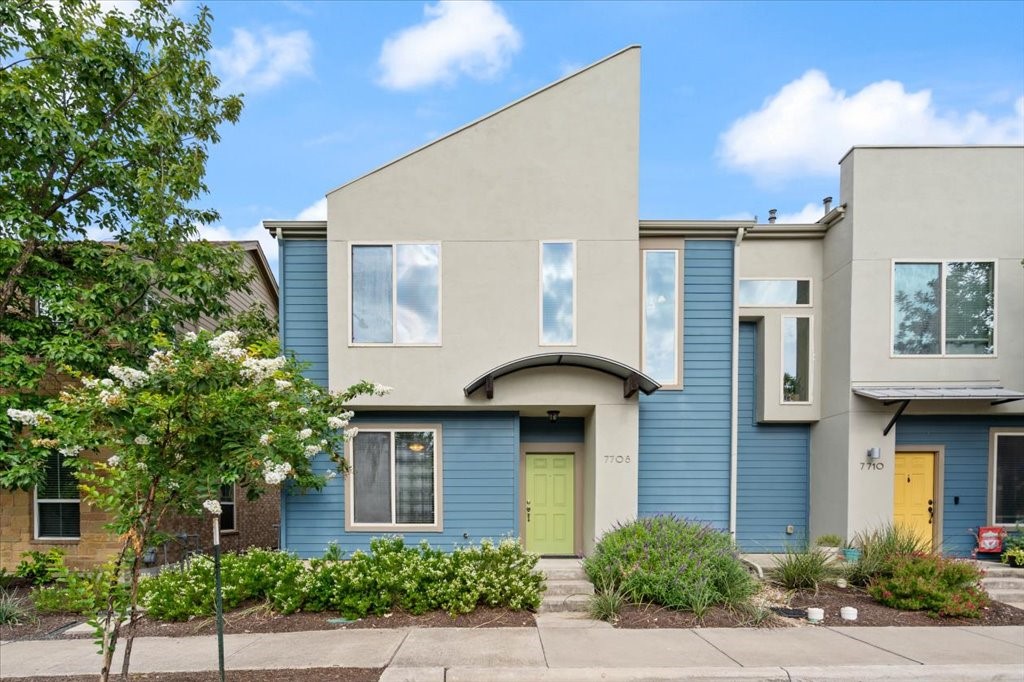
<point x="907" y="203"/>
<point x="560" y="164"/>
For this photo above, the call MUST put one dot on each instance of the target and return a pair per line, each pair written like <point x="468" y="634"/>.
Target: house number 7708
<point x="877" y="466"/>
<point x="616" y="459"/>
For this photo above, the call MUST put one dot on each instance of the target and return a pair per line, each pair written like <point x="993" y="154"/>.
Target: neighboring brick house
<point x="29" y="521"/>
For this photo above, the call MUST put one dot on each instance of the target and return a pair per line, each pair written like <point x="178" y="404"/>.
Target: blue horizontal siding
<point x="966" y="441"/>
<point x="480" y="471"/>
<point x="303" y="321"/>
<point x="772" y="469"/>
<point x="685" y="435"/>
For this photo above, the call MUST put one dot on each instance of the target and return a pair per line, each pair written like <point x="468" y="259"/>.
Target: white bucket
<point x="848" y="613"/>
<point x="815" y="615"/>
<point x="841" y="583"/>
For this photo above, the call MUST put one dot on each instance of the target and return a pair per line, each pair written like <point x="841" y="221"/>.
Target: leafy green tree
<point x="107" y="121"/>
<point x="203" y="413"/>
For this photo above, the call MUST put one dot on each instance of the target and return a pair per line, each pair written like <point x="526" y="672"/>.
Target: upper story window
<point x="57" y="505"/>
<point x="558" y="293"/>
<point x="943" y="308"/>
<point x="1007" y="496"/>
<point x="395" y="480"/>
<point x="775" y="292"/>
<point x="661" y="316"/>
<point x="228" y="513"/>
<point x="796" y="359"/>
<point x="396" y="294"/>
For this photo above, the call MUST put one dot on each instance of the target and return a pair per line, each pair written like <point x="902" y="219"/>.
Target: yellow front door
<point x="550" y="517"/>
<point x="914" y="493"/>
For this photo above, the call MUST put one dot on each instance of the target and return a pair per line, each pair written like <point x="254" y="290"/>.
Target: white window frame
<point x="993" y="456"/>
<point x="394" y="295"/>
<point x="540" y="292"/>
<point x="810" y="292"/>
<point x="36" y="500"/>
<point x="233" y="504"/>
<point x="810" y="360"/>
<point x="941" y="262"/>
<point x="438" y="525"/>
<point x="677" y="383"/>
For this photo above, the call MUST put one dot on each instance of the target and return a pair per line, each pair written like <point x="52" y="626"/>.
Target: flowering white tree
<point x="203" y="413"/>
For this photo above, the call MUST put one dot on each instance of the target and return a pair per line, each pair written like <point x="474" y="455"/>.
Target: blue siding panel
<point x="772" y="484"/>
<point x="685" y="435"/>
<point x="480" y="471"/>
<point x="966" y="441"/>
<point x="304" y="303"/>
<point x="542" y="430"/>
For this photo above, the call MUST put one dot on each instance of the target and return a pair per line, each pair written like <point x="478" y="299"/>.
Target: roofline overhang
<point x="730" y="229"/>
<point x="633" y="379"/>
<point x="996" y="395"/>
<point x="296" y="229"/>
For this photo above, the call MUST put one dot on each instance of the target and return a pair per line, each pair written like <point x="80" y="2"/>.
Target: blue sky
<point x="744" y="106"/>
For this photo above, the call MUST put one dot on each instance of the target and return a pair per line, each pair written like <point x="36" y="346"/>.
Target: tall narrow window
<point x="944" y="308"/>
<point x="661" y="316"/>
<point x="396" y="294"/>
<point x="228" y="517"/>
<point x="796" y="359"/>
<point x="558" y="293"/>
<point x="394" y="479"/>
<point x="1008" y="496"/>
<point x="57" y="504"/>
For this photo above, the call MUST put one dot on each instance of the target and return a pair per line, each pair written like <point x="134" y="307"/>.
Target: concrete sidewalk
<point x="564" y="649"/>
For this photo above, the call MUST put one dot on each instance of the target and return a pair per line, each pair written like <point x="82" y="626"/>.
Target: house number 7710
<point x="616" y="459"/>
<point x="877" y="466"/>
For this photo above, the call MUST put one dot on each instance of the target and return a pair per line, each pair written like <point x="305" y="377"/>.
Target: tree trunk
<point x="110" y="632"/>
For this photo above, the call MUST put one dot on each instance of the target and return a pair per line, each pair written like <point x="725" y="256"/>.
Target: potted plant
<point x="831" y="544"/>
<point x="1013" y="548"/>
<point x="1013" y="557"/>
<point x="851" y="552"/>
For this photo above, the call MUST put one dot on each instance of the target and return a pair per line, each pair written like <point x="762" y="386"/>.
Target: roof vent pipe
<point x="828" y="204"/>
<point x="771" y="215"/>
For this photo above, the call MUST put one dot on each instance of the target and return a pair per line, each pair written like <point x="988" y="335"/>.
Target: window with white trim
<point x="228" y="515"/>
<point x="396" y="294"/>
<point x="796" y="359"/>
<point x="557" y="293"/>
<point x="57" y="506"/>
<point x="661" y="315"/>
<point x="763" y="293"/>
<point x="395" y="479"/>
<point x="943" y="308"/>
<point x="1008" y="478"/>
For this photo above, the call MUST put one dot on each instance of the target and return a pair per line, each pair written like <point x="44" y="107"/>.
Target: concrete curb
<point x="932" y="673"/>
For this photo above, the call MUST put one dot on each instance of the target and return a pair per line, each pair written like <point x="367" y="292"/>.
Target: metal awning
<point x="633" y="380"/>
<point x="889" y="395"/>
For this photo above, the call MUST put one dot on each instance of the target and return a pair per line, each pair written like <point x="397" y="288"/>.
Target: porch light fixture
<point x="874" y="453"/>
<point x="552" y="416"/>
<point x="417" y="447"/>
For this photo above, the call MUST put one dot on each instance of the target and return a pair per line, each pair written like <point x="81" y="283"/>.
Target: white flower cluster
<point x="312" y="451"/>
<point x="113" y="461"/>
<point x="273" y="405"/>
<point x="212" y="506"/>
<point x="225" y="345"/>
<point x="304" y="434"/>
<point x="28" y="417"/>
<point x="340" y="421"/>
<point x="128" y="376"/>
<point x="191" y="336"/>
<point x="274" y="473"/>
<point x="142" y="439"/>
<point x="381" y="389"/>
<point x="303" y="410"/>
<point x="258" y="369"/>
<point x="351" y="433"/>
<point x="70" y="450"/>
<point x="266" y="438"/>
<point x="330" y="474"/>
<point x="110" y="398"/>
<point x="282" y="385"/>
<point x="159" y="359"/>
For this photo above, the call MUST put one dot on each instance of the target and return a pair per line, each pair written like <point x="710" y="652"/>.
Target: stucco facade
<point x="705" y="400"/>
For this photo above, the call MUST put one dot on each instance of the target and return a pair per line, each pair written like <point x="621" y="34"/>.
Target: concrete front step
<point x="562" y="588"/>
<point x="1002" y="571"/>
<point x="555" y="604"/>
<point x="1002" y="583"/>
<point x="1008" y="596"/>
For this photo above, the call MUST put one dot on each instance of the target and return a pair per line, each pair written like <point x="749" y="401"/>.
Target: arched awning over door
<point x="633" y="380"/>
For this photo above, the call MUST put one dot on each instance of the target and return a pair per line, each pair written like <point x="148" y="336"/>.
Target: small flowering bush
<point x="391" y="576"/>
<point x="942" y="587"/>
<point x="670" y="561"/>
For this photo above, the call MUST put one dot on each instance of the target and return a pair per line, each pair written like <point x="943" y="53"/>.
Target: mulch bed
<point x="319" y="674"/>
<point x="651" y="616"/>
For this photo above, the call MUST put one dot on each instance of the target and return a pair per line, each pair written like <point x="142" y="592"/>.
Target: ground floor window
<point x="395" y="479"/>
<point x="1008" y="478"/>
<point x="57" y="507"/>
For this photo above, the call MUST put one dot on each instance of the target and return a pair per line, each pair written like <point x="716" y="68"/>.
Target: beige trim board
<point x="938" y="484"/>
<point x="990" y="479"/>
<point x="577" y="451"/>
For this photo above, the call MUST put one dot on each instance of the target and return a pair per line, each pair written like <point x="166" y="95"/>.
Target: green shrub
<point x="670" y="561"/>
<point x="881" y="550"/>
<point x="799" y="570"/>
<point x="606" y="603"/>
<point x="829" y="540"/>
<point x="942" y="587"/>
<point x="83" y="592"/>
<point x="13" y="610"/>
<point x="41" y="568"/>
<point x="391" y="576"/>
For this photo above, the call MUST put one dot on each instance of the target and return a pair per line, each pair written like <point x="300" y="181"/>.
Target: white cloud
<point x="806" y="127"/>
<point x="262" y="60"/>
<point x="471" y="38"/>
<point x="316" y="211"/>
<point x="810" y="213"/>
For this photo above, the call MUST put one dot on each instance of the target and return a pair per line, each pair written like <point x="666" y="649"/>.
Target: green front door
<point x="550" y="507"/>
